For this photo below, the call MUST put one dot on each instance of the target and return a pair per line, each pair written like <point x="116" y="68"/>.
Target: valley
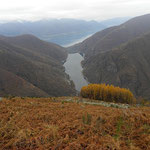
<point x="75" y="75"/>
<point x="119" y="55"/>
<point x="116" y="55"/>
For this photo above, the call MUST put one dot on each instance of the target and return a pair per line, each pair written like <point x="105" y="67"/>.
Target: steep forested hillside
<point x="11" y="84"/>
<point x="36" y="45"/>
<point x="35" y="64"/>
<point x="116" y="56"/>
<point x="112" y="37"/>
<point x="126" y="66"/>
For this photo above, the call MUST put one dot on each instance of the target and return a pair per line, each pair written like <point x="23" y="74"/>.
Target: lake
<point x="77" y="41"/>
<point x="74" y="69"/>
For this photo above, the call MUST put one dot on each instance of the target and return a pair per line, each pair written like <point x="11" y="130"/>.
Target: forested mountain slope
<point x="112" y="37"/>
<point x="126" y="66"/>
<point x="38" y="66"/>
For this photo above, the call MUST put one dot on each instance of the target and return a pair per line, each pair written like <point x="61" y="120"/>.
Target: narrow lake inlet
<point x="74" y="69"/>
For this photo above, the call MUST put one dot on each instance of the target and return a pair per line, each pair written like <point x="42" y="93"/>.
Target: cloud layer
<point x="79" y="9"/>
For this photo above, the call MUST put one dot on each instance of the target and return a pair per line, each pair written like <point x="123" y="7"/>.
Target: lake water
<point x="77" y="41"/>
<point x="74" y="70"/>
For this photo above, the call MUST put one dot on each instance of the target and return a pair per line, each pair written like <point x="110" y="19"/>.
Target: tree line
<point x="108" y="93"/>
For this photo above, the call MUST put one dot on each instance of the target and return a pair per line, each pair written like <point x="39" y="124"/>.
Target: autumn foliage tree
<point x="107" y="93"/>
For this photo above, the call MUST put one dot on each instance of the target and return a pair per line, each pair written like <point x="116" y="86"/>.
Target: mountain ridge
<point x="60" y="31"/>
<point x="112" y="37"/>
<point x="40" y="70"/>
<point x="101" y="65"/>
<point x="126" y="66"/>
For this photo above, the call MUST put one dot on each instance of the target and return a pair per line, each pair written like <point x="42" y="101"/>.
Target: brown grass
<point x="41" y="124"/>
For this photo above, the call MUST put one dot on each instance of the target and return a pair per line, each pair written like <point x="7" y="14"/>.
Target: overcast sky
<point x="79" y="9"/>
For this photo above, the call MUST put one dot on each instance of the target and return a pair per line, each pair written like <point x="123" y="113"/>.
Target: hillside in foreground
<point x="56" y="123"/>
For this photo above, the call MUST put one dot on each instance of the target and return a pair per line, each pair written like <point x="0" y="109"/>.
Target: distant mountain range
<point x="115" y="21"/>
<point x="59" y="31"/>
<point x="119" y="55"/>
<point x="32" y="67"/>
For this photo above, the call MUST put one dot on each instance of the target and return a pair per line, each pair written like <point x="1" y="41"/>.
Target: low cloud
<point x="79" y="9"/>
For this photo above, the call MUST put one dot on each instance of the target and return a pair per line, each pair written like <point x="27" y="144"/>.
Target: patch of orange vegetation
<point x="49" y="123"/>
<point x="107" y="93"/>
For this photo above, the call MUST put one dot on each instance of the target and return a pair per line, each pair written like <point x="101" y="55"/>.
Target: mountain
<point x="60" y="31"/>
<point x="115" y="21"/>
<point x="9" y="81"/>
<point x="38" y="46"/>
<point x="114" y="56"/>
<point x="112" y="37"/>
<point x="126" y="66"/>
<point x="32" y="67"/>
<point x="87" y="46"/>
